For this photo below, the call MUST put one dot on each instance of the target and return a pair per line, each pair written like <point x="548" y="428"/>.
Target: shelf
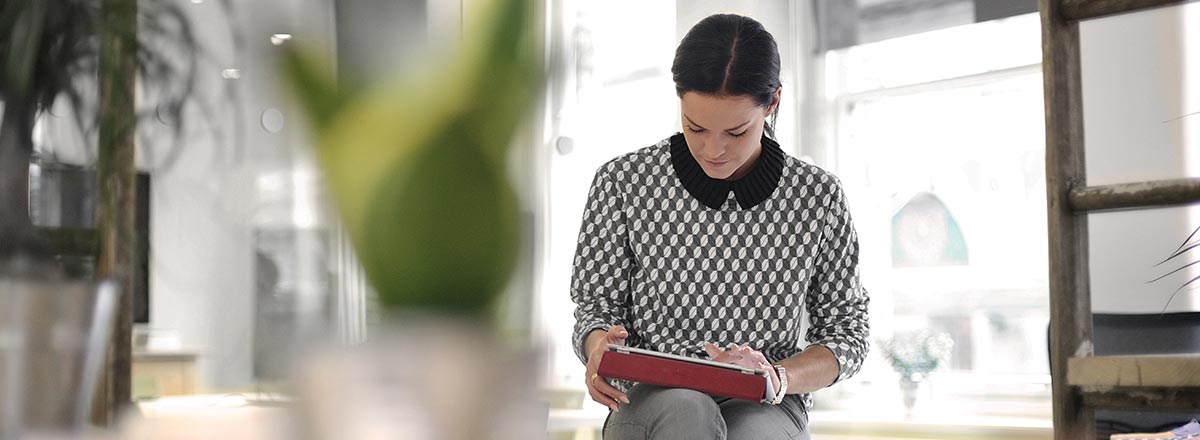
<point x="1100" y="373"/>
<point x="1144" y="399"/>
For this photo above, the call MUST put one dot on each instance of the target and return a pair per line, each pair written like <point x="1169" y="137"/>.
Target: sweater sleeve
<point x="836" y="301"/>
<point x="603" y="261"/>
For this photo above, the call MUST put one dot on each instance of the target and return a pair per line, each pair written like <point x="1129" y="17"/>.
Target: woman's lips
<point x="715" y="164"/>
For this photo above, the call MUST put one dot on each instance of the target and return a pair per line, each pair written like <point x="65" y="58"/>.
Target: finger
<point x="608" y="390"/>
<point x="736" y="358"/>
<point x="741" y="361"/>
<point x="727" y="357"/>
<point x="618" y="331"/>
<point x="712" y="350"/>
<point x="757" y="355"/>
<point x="599" y="395"/>
<point x="603" y="399"/>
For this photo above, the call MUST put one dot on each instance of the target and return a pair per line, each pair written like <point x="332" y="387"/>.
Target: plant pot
<point x="423" y="377"/>
<point x="53" y="339"/>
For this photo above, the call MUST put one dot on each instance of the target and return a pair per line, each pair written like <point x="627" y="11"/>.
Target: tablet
<point x="675" y="371"/>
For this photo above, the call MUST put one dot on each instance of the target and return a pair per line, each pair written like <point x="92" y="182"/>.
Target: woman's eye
<point x="738" y="135"/>
<point x="695" y="130"/>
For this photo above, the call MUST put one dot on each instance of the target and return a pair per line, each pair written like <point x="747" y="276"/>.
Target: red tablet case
<point x="679" y="374"/>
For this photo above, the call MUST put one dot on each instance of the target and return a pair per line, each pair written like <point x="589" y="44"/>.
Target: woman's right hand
<point x="598" y="387"/>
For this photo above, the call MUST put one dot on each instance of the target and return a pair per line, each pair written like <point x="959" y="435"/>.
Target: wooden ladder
<point x="1082" y="381"/>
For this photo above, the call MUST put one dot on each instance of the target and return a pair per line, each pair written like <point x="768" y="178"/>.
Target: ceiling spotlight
<point x="196" y="2"/>
<point x="231" y="74"/>
<point x="278" y="39"/>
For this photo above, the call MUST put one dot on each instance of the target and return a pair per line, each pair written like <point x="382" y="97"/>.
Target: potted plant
<point x="51" y="52"/>
<point x="914" y="355"/>
<point x="90" y="55"/>
<point x="417" y="169"/>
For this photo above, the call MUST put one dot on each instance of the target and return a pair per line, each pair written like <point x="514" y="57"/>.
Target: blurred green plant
<point x="417" y="166"/>
<point x="915" y="354"/>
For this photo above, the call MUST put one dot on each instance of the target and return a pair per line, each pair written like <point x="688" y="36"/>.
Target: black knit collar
<point x="752" y="189"/>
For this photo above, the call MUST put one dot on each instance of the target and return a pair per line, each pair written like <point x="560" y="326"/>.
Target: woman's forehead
<point x="722" y="111"/>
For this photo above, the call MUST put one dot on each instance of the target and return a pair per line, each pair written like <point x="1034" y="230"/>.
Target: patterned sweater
<point x="679" y="258"/>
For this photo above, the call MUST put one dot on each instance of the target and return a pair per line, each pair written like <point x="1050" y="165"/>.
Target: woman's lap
<point x="675" y="413"/>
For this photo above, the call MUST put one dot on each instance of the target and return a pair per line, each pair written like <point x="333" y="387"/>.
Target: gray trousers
<point x="675" y="413"/>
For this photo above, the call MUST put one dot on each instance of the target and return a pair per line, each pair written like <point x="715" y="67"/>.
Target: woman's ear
<point x="775" y="100"/>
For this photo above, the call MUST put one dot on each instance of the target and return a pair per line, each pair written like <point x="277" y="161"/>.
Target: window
<point x="938" y="139"/>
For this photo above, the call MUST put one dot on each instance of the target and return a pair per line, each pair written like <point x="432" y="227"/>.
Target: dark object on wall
<point x="293" y="300"/>
<point x="1154" y="333"/>
<point x="1141" y="334"/>
<point x="842" y="23"/>
<point x="367" y="29"/>
<point x="994" y="10"/>
<point x="837" y="24"/>
<point x="64" y="196"/>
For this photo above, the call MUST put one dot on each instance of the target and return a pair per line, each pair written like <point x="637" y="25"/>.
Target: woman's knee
<point x="752" y="420"/>
<point x="676" y="401"/>
<point x="656" y="412"/>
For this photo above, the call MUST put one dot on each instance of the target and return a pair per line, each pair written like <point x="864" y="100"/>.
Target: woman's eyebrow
<point x="690" y="121"/>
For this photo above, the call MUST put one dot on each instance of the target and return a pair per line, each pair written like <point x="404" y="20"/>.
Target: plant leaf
<point x="1180" y="289"/>
<point x="1178" y="253"/>
<point x="1174" y="271"/>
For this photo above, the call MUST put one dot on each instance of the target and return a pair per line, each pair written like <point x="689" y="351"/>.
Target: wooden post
<point x="117" y="195"/>
<point x="1070" y="299"/>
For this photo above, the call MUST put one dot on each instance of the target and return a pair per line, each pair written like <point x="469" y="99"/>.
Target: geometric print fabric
<point x="677" y="273"/>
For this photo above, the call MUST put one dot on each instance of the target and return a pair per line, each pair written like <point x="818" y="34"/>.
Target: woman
<point x="716" y="238"/>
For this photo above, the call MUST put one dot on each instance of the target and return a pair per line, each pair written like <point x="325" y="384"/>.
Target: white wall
<point x="1139" y="82"/>
<point x="206" y="206"/>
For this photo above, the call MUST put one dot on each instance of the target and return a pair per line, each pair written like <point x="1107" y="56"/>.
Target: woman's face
<point x="724" y="133"/>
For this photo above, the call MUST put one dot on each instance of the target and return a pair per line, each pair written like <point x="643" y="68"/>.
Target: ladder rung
<point x="1075" y="10"/>
<point x="1099" y="372"/>
<point x="1159" y="399"/>
<point x="1135" y="195"/>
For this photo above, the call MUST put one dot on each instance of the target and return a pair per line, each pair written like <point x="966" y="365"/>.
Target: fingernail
<point x="625" y="399"/>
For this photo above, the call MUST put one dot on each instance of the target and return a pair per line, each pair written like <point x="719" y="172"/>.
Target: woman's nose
<point x="715" y="150"/>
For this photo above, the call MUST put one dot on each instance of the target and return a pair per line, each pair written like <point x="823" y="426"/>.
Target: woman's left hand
<point x="745" y="356"/>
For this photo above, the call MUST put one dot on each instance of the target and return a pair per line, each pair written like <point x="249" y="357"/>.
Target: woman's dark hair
<point x="729" y="55"/>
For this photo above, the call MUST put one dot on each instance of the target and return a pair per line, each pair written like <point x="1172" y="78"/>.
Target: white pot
<point x="423" y="378"/>
<point x="53" y="339"/>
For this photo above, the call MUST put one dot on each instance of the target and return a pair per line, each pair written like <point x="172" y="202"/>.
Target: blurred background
<point x="930" y="112"/>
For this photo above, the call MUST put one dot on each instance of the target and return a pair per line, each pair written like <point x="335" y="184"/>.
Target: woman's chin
<point x="719" y="174"/>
